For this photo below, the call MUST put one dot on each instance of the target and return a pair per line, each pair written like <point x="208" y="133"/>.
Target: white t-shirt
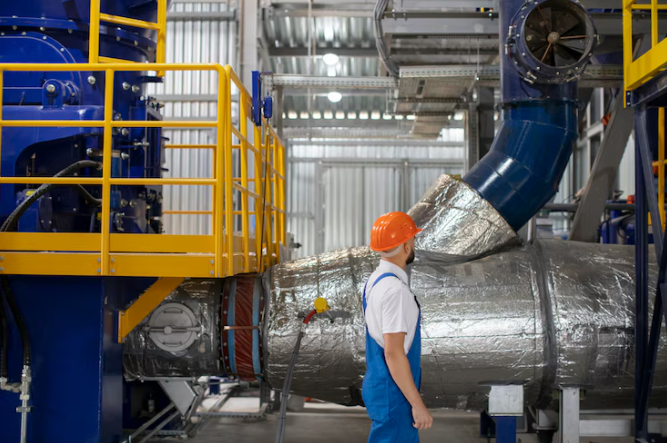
<point x="390" y="305"/>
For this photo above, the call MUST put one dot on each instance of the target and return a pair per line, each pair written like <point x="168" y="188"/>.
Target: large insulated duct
<point x="548" y="314"/>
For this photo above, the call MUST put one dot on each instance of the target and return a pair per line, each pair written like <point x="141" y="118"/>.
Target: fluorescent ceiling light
<point x="330" y="59"/>
<point x="328" y="115"/>
<point x="352" y="115"/>
<point x="375" y="115"/>
<point x="411" y="117"/>
<point x="335" y="96"/>
<point x="458" y="115"/>
<point x="386" y="116"/>
<point x="398" y="117"/>
<point x="363" y="115"/>
<point x="304" y="116"/>
<point x="292" y="115"/>
<point x="340" y="115"/>
<point x="317" y="115"/>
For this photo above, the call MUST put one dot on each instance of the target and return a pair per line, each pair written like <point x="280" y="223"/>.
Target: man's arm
<point x="399" y="367"/>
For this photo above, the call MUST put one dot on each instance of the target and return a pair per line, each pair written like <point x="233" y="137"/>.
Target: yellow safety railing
<point x="638" y="72"/>
<point x="96" y="16"/>
<point x="221" y="254"/>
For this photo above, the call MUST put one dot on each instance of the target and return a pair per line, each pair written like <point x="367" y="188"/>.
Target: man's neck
<point x="398" y="263"/>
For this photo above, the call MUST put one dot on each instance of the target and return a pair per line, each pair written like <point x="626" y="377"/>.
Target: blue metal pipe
<point x="538" y="133"/>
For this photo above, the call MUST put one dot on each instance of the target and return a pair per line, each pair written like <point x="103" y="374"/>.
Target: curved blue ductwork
<point x="538" y="103"/>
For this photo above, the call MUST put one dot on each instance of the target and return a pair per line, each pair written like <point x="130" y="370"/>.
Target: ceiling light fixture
<point x="335" y="96"/>
<point x="330" y="59"/>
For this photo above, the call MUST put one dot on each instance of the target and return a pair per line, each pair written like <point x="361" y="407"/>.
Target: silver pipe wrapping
<point x="545" y="314"/>
<point x="458" y="222"/>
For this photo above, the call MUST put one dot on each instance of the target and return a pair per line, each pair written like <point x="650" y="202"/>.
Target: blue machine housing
<point x="61" y="38"/>
<point x="77" y="391"/>
<point x="539" y="121"/>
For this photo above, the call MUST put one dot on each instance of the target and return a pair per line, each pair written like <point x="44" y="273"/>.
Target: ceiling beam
<point x="341" y="52"/>
<point x="465" y="23"/>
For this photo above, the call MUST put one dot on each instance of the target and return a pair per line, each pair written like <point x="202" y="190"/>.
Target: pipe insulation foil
<point x="457" y="222"/>
<point x="547" y="314"/>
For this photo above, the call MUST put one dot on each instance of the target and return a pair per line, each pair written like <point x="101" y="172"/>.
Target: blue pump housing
<point x="527" y="159"/>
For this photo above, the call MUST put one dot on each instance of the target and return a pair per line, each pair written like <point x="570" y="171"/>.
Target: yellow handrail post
<point x="281" y="195"/>
<point x="94" y="32"/>
<point x="276" y="199"/>
<point x="244" y="181"/>
<point x="107" y="147"/>
<point x="627" y="44"/>
<point x="259" y="190"/>
<point x="160" y="50"/>
<point x="229" y="177"/>
<point x="268" y="199"/>
<point x="218" y="200"/>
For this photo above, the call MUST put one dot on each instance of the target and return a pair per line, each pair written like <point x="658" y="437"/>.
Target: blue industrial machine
<point x="59" y="333"/>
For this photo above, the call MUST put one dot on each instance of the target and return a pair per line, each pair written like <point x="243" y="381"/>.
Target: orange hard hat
<point x="392" y="230"/>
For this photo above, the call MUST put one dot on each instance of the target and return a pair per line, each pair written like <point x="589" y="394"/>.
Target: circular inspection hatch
<point x="173" y="327"/>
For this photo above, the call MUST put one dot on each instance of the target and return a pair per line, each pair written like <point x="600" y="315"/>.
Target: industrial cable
<point x="18" y="319"/>
<point x="9" y="225"/>
<point x="12" y="221"/>
<point x="284" y="396"/>
<point x="388" y="63"/>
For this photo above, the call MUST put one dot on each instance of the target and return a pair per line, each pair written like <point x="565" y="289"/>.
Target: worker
<point x="393" y="338"/>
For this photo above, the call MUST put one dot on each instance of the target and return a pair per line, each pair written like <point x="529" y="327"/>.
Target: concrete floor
<point x="324" y="423"/>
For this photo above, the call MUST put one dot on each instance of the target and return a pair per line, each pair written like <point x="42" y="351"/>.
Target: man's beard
<point x="411" y="258"/>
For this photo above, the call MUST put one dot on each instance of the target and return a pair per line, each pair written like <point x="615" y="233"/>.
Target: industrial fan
<point x="556" y="35"/>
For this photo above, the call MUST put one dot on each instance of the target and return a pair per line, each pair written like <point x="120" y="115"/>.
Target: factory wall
<point x="193" y="95"/>
<point x="335" y="192"/>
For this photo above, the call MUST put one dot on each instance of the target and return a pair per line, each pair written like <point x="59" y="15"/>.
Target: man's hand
<point x="422" y="417"/>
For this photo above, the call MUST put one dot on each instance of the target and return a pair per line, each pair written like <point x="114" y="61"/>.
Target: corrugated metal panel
<point x="333" y="205"/>
<point x="192" y="41"/>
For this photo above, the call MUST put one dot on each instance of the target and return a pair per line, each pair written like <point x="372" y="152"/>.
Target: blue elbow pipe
<point x="539" y="107"/>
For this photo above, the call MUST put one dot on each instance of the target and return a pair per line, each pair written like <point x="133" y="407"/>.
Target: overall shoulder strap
<point x="383" y="276"/>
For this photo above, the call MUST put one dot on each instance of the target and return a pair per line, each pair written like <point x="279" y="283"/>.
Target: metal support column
<point x="472" y="155"/>
<point x="486" y="124"/>
<point x="249" y="39"/>
<point x="505" y="405"/>
<point x="603" y="174"/>
<point x="641" y="284"/>
<point x="569" y="415"/>
<point x="646" y="344"/>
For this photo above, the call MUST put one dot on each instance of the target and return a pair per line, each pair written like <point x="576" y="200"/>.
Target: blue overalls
<point x="385" y="403"/>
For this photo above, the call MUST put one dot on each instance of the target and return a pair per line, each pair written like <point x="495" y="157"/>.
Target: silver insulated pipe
<point x="545" y="314"/>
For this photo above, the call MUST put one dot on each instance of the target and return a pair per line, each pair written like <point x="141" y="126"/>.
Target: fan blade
<point x="574" y="53"/>
<point x="564" y="22"/>
<point x="534" y="37"/>
<point x="539" y="52"/>
<point x="578" y="45"/>
<point x="546" y="17"/>
<point x="563" y="57"/>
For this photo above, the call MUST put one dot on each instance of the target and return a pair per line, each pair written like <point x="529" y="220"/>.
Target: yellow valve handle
<point x="321" y="305"/>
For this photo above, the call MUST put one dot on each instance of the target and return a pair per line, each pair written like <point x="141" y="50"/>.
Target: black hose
<point x="12" y="221"/>
<point x="10" y="225"/>
<point x="18" y="319"/>
<point x="4" y="339"/>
